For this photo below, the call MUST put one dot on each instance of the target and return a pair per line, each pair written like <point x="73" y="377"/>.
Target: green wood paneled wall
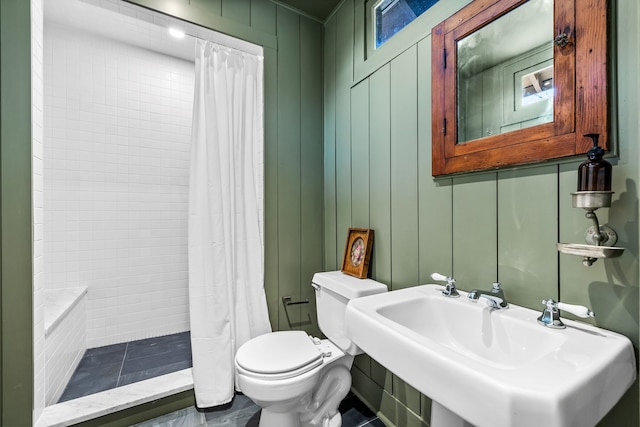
<point x="486" y="227"/>
<point x="380" y="179"/>
<point x="329" y="148"/>
<point x="404" y="169"/>
<point x="360" y="171"/>
<point x="16" y="295"/>
<point x="311" y="233"/>
<point x="343" y="164"/>
<point x="289" y="190"/>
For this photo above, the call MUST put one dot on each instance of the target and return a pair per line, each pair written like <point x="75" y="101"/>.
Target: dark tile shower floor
<point x="104" y="368"/>
<point x="112" y="366"/>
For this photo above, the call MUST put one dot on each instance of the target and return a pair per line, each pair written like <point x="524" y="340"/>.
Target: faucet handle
<point x="450" y="289"/>
<point x="441" y="277"/>
<point x="550" y="317"/>
<point x="578" y="310"/>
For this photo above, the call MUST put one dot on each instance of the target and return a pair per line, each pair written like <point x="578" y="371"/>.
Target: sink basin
<point x="500" y="344"/>
<point x="493" y="367"/>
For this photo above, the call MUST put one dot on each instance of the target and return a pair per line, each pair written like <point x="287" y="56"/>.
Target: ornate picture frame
<point x="357" y="252"/>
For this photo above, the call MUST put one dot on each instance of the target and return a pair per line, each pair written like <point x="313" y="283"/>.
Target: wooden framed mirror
<point x="518" y="81"/>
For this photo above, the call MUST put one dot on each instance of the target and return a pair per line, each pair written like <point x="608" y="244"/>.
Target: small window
<point x="391" y="16"/>
<point x="537" y="86"/>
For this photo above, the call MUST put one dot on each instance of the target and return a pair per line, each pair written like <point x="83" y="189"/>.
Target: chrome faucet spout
<point x="495" y="297"/>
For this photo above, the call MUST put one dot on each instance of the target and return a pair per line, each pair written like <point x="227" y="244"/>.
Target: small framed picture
<point x="357" y="252"/>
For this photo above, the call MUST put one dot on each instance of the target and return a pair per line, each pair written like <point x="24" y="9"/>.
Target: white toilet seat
<point x="279" y="355"/>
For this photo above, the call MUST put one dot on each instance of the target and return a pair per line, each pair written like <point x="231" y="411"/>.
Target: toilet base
<point x="283" y="419"/>
<point x="317" y="410"/>
<point x="292" y="419"/>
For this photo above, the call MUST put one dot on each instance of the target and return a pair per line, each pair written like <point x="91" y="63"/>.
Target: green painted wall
<point x="16" y="326"/>
<point x="480" y="228"/>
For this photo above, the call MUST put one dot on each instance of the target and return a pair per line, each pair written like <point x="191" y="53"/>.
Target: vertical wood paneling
<point x="406" y="394"/>
<point x="16" y="265"/>
<point x="344" y="75"/>
<point x="404" y="170"/>
<point x="380" y="187"/>
<point x="213" y="6"/>
<point x="311" y="153"/>
<point x="360" y="155"/>
<point x="434" y="197"/>
<point x="329" y="157"/>
<point x="527" y="234"/>
<point x="271" y="256"/>
<point x="237" y="10"/>
<point x="289" y="169"/>
<point x="475" y="231"/>
<point x="617" y="305"/>
<point x="480" y="227"/>
<point x="263" y="16"/>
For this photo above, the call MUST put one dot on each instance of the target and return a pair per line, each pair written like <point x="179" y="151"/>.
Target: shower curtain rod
<point x="253" y="49"/>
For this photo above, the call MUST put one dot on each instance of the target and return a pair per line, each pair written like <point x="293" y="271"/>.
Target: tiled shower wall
<point x="116" y="159"/>
<point x="37" y="139"/>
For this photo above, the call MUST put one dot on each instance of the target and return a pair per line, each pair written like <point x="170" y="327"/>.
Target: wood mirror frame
<point x="580" y="103"/>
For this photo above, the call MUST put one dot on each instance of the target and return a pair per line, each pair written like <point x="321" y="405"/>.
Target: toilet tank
<point x="334" y="289"/>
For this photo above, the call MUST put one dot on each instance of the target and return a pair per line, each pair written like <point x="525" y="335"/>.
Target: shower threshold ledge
<point x="106" y="402"/>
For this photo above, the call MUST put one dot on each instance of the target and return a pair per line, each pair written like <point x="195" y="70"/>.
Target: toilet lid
<point x="279" y="352"/>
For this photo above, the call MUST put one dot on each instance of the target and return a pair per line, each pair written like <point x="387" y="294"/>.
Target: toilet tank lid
<point x="348" y="286"/>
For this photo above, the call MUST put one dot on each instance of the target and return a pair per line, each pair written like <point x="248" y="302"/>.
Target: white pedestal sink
<point x="493" y="368"/>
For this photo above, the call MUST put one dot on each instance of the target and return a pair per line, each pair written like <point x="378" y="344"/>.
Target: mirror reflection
<point x="505" y="73"/>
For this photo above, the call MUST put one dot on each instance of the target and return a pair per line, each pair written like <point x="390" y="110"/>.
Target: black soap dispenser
<point x="595" y="173"/>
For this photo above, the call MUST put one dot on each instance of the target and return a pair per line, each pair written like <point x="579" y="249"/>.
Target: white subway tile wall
<point x="116" y="172"/>
<point x="64" y="348"/>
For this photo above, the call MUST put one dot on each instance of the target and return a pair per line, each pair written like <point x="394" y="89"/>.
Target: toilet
<point x="299" y="380"/>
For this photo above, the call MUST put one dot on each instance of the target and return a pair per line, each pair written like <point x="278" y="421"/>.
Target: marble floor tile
<point x="373" y="423"/>
<point x="357" y="414"/>
<point x="188" y="417"/>
<point x="242" y="412"/>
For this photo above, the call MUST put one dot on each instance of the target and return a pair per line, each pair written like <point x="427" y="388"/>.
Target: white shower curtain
<point x="226" y="268"/>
